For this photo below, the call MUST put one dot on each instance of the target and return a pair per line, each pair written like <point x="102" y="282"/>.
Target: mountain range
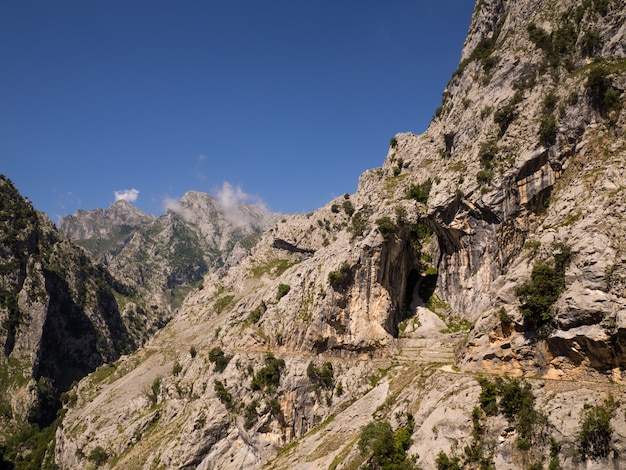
<point x="464" y="308"/>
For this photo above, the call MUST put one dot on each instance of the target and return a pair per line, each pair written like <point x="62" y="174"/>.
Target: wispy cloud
<point x="171" y="204"/>
<point x="230" y="197"/>
<point x="129" y="195"/>
<point x="199" y="161"/>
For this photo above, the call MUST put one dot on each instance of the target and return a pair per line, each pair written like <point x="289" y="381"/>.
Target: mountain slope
<point x="465" y="304"/>
<point x="62" y="315"/>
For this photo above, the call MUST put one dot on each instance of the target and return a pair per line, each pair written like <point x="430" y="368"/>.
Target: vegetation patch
<point x="386" y="449"/>
<point x="342" y="278"/>
<point x="359" y="224"/>
<point x="274" y="268"/>
<point x="420" y="191"/>
<point x="321" y="376"/>
<point x="547" y="282"/>
<point x="386" y="227"/>
<point x="596" y="432"/>
<point x="256" y="314"/>
<point x="222" y="303"/>
<point x="217" y="357"/>
<point x="222" y="394"/>
<point x="283" y="290"/>
<point x="268" y="376"/>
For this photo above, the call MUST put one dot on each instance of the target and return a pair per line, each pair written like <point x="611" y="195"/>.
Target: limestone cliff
<point x="490" y="247"/>
<point x="62" y="315"/>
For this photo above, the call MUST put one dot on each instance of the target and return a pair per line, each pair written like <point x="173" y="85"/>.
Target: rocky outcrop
<point x="62" y="315"/>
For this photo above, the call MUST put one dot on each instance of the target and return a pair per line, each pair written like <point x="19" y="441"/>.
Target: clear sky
<point x="287" y="101"/>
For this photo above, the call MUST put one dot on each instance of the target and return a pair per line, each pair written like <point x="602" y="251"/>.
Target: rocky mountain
<point x="61" y="314"/>
<point x="465" y="308"/>
<point x="164" y="257"/>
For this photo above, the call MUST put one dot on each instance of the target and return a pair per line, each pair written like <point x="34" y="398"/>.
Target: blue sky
<point x="286" y="101"/>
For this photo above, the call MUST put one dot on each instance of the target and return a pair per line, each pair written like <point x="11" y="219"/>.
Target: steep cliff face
<point x="62" y="314"/>
<point x="488" y="248"/>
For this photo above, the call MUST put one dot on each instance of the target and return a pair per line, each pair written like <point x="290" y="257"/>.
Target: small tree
<point x="222" y="394"/>
<point x="386" y="227"/>
<point x="217" y="357"/>
<point x="596" y="432"/>
<point x="420" y="191"/>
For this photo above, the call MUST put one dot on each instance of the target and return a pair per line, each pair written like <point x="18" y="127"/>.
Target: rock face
<point x="490" y="247"/>
<point x="62" y="315"/>
<point x="165" y="256"/>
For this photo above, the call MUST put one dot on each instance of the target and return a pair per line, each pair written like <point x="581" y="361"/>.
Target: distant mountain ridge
<point x="165" y="256"/>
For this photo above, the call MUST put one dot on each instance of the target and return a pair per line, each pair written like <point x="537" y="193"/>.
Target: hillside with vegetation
<point x="464" y="308"/>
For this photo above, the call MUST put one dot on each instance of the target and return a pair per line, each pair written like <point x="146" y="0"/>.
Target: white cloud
<point x="129" y="195"/>
<point x="230" y="197"/>
<point x="171" y="204"/>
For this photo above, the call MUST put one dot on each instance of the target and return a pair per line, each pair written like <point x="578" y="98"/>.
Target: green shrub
<point x="386" y="447"/>
<point x="602" y="96"/>
<point x="223" y="395"/>
<point x="393" y="142"/>
<point x="193" y="352"/>
<point x="539" y="37"/>
<point x="540" y="293"/>
<point x="359" y="224"/>
<point x="488" y="153"/>
<point x="488" y="396"/>
<point x="505" y="116"/>
<point x="386" y="226"/>
<point x="420" y="231"/>
<point x="257" y="313"/>
<point x="250" y="414"/>
<point x="420" y="191"/>
<point x="283" y="290"/>
<point x="401" y="215"/>
<point x="322" y="376"/>
<point x="484" y="176"/>
<point x="444" y="462"/>
<point x="555" y="449"/>
<point x="549" y="103"/>
<point x="547" y="130"/>
<point x="177" y="368"/>
<point x="601" y="7"/>
<point x="517" y="404"/>
<point x="217" y="357"/>
<point x="340" y="280"/>
<point x="155" y="388"/>
<point x="98" y="456"/>
<point x="348" y="207"/>
<point x="504" y="317"/>
<point x="268" y="376"/>
<point x="563" y="40"/>
<point x="596" y="432"/>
